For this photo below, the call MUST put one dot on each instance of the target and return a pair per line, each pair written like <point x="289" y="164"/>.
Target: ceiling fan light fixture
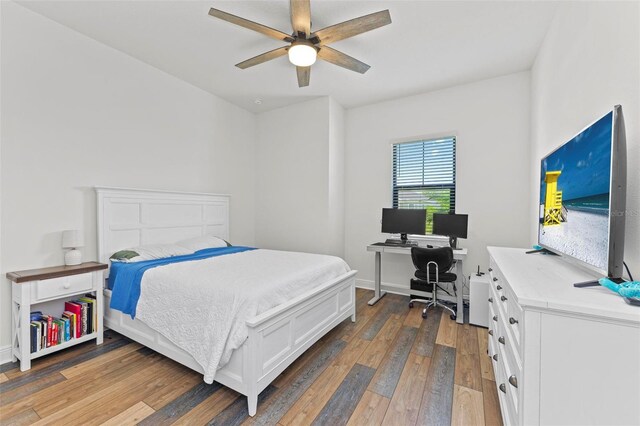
<point x="302" y="53"/>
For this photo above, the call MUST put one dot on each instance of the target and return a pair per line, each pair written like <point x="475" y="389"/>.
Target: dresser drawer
<point x="497" y="282"/>
<point x="494" y="318"/>
<point x="56" y="287"/>
<point x="508" y="373"/>
<point x="507" y="308"/>
<point x="500" y="370"/>
<point x="515" y="318"/>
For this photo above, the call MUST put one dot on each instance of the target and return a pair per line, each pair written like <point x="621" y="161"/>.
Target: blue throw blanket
<point x="125" y="278"/>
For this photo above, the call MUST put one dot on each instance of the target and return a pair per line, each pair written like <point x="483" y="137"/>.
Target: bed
<point x="276" y="337"/>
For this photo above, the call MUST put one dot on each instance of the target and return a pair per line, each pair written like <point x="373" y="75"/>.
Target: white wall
<point x="589" y="61"/>
<point x="491" y="121"/>
<point x="299" y="195"/>
<point x="75" y="114"/>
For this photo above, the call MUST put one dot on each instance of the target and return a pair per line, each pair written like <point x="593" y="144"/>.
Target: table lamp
<point x="72" y="239"/>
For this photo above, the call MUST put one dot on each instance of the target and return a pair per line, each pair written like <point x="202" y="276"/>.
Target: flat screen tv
<point x="582" y="196"/>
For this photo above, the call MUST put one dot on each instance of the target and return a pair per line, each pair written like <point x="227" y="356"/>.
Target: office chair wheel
<point x="424" y="314"/>
<point x="453" y="317"/>
<point x="410" y="304"/>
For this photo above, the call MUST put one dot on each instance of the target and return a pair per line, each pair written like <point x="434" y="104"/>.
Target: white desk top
<point x="544" y="281"/>
<point x="458" y="254"/>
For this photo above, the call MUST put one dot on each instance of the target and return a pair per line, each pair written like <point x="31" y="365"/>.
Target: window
<point x="424" y="176"/>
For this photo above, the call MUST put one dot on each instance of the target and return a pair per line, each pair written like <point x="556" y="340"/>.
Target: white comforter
<point x="202" y="306"/>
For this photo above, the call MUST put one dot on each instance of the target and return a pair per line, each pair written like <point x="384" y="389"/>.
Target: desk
<point x="459" y="255"/>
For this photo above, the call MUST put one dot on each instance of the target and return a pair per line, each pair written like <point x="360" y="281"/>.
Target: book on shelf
<point x="60" y="324"/>
<point x="71" y="317"/>
<point x="84" y="316"/>
<point x="43" y="333"/>
<point x="54" y="332"/>
<point x="89" y="306"/>
<point x="49" y="320"/>
<point x="33" y="327"/>
<point x="93" y="299"/>
<point x="92" y="313"/>
<point x="39" y="335"/>
<point x="77" y="311"/>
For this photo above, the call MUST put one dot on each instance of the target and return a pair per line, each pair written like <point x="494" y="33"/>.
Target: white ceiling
<point x="430" y="44"/>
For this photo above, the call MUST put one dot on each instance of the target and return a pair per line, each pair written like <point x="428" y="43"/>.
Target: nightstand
<point x="47" y="290"/>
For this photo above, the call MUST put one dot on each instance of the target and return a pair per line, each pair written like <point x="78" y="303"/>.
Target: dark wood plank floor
<point x="389" y="367"/>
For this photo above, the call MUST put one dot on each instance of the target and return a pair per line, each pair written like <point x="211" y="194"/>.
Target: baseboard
<point x="365" y="284"/>
<point x="401" y="290"/>
<point x="388" y="287"/>
<point x="5" y="354"/>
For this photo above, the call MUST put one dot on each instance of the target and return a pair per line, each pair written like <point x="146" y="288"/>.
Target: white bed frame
<point x="131" y="217"/>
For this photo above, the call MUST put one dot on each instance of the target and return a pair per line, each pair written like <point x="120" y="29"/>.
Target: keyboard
<point x="399" y="243"/>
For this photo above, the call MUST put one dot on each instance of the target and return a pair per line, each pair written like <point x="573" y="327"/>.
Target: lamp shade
<point x="72" y="238"/>
<point x="302" y="53"/>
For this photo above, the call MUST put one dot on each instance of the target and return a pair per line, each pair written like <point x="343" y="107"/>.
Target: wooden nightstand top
<point x="54" y="272"/>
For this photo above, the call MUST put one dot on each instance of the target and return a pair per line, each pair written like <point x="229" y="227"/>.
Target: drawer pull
<point x="495" y="278"/>
<point x="490" y="270"/>
<point x="504" y="299"/>
<point x="490" y="332"/>
<point x="512" y="320"/>
<point x="491" y="300"/>
<point x="499" y="287"/>
<point x="495" y="357"/>
<point x="503" y="388"/>
<point x="513" y="381"/>
<point x="67" y="285"/>
<point x="495" y="318"/>
<point x="501" y="339"/>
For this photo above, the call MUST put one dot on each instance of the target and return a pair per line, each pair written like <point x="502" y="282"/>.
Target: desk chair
<point x="428" y="263"/>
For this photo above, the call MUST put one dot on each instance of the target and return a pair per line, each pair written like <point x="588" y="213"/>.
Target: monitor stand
<point x="596" y="283"/>
<point x="453" y="242"/>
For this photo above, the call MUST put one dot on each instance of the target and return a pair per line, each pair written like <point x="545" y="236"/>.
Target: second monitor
<point x="453" y="226"/>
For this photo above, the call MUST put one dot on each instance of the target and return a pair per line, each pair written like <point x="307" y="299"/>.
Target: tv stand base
<point x="596" y="283"/>
<point x="541" y="250"/>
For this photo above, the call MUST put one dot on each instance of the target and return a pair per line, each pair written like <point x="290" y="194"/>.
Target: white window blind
<point x="424" y="176"/>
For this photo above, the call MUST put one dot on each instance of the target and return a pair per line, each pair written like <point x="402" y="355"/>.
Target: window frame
<point x="395" y="189"/>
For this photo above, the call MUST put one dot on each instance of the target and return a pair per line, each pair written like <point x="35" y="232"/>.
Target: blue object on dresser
<point x="625" y="289"/>
<point x="125" y="278"/>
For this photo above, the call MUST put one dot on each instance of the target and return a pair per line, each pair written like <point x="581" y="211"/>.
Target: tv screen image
<point x="575" y="184"/>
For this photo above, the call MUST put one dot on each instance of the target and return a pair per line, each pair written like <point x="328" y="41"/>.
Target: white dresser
<point x="561" y="355"/>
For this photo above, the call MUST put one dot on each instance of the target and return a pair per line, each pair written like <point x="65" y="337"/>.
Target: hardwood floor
<point x="390" y="367"/>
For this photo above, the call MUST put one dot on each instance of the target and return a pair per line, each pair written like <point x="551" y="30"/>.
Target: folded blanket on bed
<point x="202" y="306"/>
<point x="125" y="278"/>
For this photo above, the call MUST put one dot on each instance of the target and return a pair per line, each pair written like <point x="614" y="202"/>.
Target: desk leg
<point x="379" y="294"/>
<point x="460" y="287"/>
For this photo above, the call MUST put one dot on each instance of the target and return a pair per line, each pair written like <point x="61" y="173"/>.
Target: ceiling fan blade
<point x="342" y="60"/>
<point x="268" y="31"/>
<point x="267" y="56"/>
<point x="301" y="16"/>
<point x="304" y="74"/>
<point x="351" y="28"/>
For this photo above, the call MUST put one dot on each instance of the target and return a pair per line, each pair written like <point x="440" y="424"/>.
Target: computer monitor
<point x="404" y="221"/>
<point x="453" y="226"/>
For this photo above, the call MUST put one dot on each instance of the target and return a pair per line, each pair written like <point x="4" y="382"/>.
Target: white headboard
<point x="132" y="217"/>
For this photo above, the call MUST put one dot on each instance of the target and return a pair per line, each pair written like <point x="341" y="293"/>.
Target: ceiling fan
<point x="305" y="45"/>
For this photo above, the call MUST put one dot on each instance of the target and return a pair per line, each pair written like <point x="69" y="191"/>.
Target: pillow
<point x="203" y="242"/>
<point x="150" y="252"/>
<point x="124" y="255"/>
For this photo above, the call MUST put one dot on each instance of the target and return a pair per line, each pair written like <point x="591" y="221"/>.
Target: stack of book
<point x="80" y="317"/>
